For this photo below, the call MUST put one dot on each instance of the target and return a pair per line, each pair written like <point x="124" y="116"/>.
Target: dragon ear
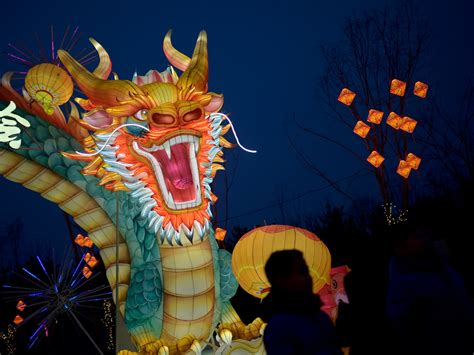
<point x="98" y="119"/>
<point x="217" y="100"/>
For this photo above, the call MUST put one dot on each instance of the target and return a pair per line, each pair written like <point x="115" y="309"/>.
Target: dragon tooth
<point x="169" y="233"/>
<point x="152" y="219"/>
<point x="162" y="235"/>
<point x="167" y="147"/>
<point x="147" y="208"/>
<point x="199" y="229"/>
<point x="177" y="238"/>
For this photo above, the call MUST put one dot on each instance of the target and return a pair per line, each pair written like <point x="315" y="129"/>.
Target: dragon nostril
<point x="162" y="118"/>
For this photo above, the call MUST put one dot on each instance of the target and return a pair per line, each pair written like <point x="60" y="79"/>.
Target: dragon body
<point x="134" y="170"/>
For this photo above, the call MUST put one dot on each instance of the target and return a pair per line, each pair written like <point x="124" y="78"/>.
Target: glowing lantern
<point x="404" y="169"/>
<point x="398" y="87"/>
<point x="408" y="124"/>
<point x="220" y="234"/>
<point x="346" y="97"/>
<point x="375" y="116"/>
<point x="86" y="272"/>
<point x="18" y="320"/>
<point x="394" y="120"/>
<point x="21" y="305"/>
<point x="254" y="248"/>
<point x="361" y="129"/>
<point x="49" y="85"/>
<point x="83" y="241"/>
<point x="420" y="89"/>
<point x="375" y="159"/>
<point x="90" y="260"/>
<point x="413" y="161"/>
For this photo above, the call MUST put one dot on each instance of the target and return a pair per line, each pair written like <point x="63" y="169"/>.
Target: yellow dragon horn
<point x="105" y="65"/>
<point x="197" y="73"/>
<point x="175" y="57"/>
<point x="100" y="91"/>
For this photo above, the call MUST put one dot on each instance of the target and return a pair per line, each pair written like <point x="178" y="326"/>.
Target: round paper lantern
<point x="254" y="248"/>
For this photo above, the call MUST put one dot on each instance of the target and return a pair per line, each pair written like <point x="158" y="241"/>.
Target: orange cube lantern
<point x="86" y="272"/>
<point x="375" y="116"/>
<point x="18" y="320"/>
<point x="90" y="260"/>
<point x="420" y="89"/>
<point x="413" y="161"/>
<point x="375" y="159"/>
<point x="394" y="120"/>
<point x="346" y="96"/>
<point x="398" y="87"/>
<point x="220" y="234"/>
<point x="361" y="129"/>
<point x="404" y="169"/>
<point x="408" y="124"/>
<point x="21" y="305"/>
<point x="79" y="240"/>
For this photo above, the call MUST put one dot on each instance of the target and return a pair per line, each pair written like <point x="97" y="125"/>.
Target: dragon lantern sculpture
<point x="134" y="170"/>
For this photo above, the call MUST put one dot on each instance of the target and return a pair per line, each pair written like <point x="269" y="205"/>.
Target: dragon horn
<point x="101" y="92"/>
<point x="197" y="73"/>
<point x="105" y="65"/>
<point x="175" y="57"/>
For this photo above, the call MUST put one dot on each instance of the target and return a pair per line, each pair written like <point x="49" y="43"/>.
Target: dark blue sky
<point x="264" y="58"/>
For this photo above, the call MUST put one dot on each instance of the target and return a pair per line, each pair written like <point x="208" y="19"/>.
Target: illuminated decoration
<point x="408" y="124"/>
<point x="9" y="339"/>
<point x="413" y="161"/>
<point x="255" y="247"/>
<point x="334" y="293"/>
<point x="394" y="120"/>
<point x="375" y="116"/>
<point x="420" y="89"/>
<point x="49" y="85"/>
<point x="398" y="87"/>
<point x="90" y="260"/>
<point x="109" y="324"/>
<point x="9" y="129"/>
<point x="346" y="97"/>
<point x="403" y="169"/>
<point x="138" y="158"/>
<point x="52" y="294"/>
<point x="21" y="305"/>
<point x="361" y="129"/>
<point x="220" y="234"/>
<point x="392" y="217"/>
<point x="86" y="272"/>
<point x="375" y="159"/>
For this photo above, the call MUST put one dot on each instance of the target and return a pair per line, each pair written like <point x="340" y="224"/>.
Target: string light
<point x="9" y="339"/>
<point x="108" y="321"/>
<point x="393" y="215"/>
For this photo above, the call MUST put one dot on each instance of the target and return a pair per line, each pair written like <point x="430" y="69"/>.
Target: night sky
<point x="264" y="57"/>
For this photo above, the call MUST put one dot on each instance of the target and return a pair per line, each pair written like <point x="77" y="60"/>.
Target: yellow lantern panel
<point x="375" y="159"/>
<point x="394" y="120"/>
<point x="361" y="129"/>
<point x="413" y="161"/>
<point x="398" y="87"/>
<point x="346" y="97"/>
<point x="408" y="124"/>
<point x="404" y="169"/>
<point x="420" y="89"/>
<point x="375" y="116"/>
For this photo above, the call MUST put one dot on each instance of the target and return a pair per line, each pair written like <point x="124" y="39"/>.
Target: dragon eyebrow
<point x="224" y="116"/>
<point x="110" y="136"/>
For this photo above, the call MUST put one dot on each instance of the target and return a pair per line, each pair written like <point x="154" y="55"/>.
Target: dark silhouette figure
<point x="428" y="305"/>
<point x="296" y="325"/>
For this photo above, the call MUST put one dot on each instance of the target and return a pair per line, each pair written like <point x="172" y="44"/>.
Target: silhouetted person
<point x="428" y="305"/>
<point x="296" y="325"/>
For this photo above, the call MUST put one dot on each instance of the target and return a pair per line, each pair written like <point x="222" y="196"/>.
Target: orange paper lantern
<point x="375" y="116"/>
<point x="398" y="87"/>
<point x="420" y="89"/>
<point x="90" y="260"/>
<point x="21" y="305"/>
<point x="404" y="169"/>
<point x="375" y="159"/>
<point x="346" y="96"/>
<point x="83" y="241"/>
<point x="408" y="124"/>
<point x="394" y="120"/>
<point x="361" y="129"/>
<point x="413" y="161"/>
<point x="86" y="272"/>
<point x="18" y="320"/>
<point x="220" y="234"/>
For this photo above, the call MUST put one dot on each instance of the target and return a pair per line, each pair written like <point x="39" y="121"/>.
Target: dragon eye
<point x="141" y="115"/>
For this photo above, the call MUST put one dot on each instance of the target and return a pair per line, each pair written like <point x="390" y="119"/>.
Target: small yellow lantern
<point x="375" y="159"/>
<point x="413" y="161"/>
<point x="394" y="120"/>
<point x="346" y="96"/>
<point x="361" y="129"/>
<point x="408" y="124"/>
<point x="404" y="169"/>
<point x="18" y="320"/>
<point x="420" y="89"/>
<point x="375" y="116"/>
<point x="220" y="234"/>
<point x="398" y="87"/>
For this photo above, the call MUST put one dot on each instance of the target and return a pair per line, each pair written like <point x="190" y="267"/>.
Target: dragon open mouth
<point x="176" y="169"/>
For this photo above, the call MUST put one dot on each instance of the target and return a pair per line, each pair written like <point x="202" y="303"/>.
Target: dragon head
<point x="158" y="136"/>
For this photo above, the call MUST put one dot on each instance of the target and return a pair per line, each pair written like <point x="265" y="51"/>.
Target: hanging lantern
<point x="394" y="120"/>
<point x="361" y="129"/>
<point x="408" y="124"/>
<point x="48" y="85"/>
<point x="413" y="161"/>
<point x="220" y="234"/>
<point x="398" y="87"/>
<point x="375" y="116"/>
<point x="21" y="305"/>
<point x="90" y="260"/>
<point x="375" y="159"/>
<point x="86" y="272"/>
<point x="346" y="97"/>
<point x="420" y="89"/>
<point x="254" y="248"/>
<point x="18" y="320"/>
<point x="84" y="241"/>
<point x="404" y="169"/>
